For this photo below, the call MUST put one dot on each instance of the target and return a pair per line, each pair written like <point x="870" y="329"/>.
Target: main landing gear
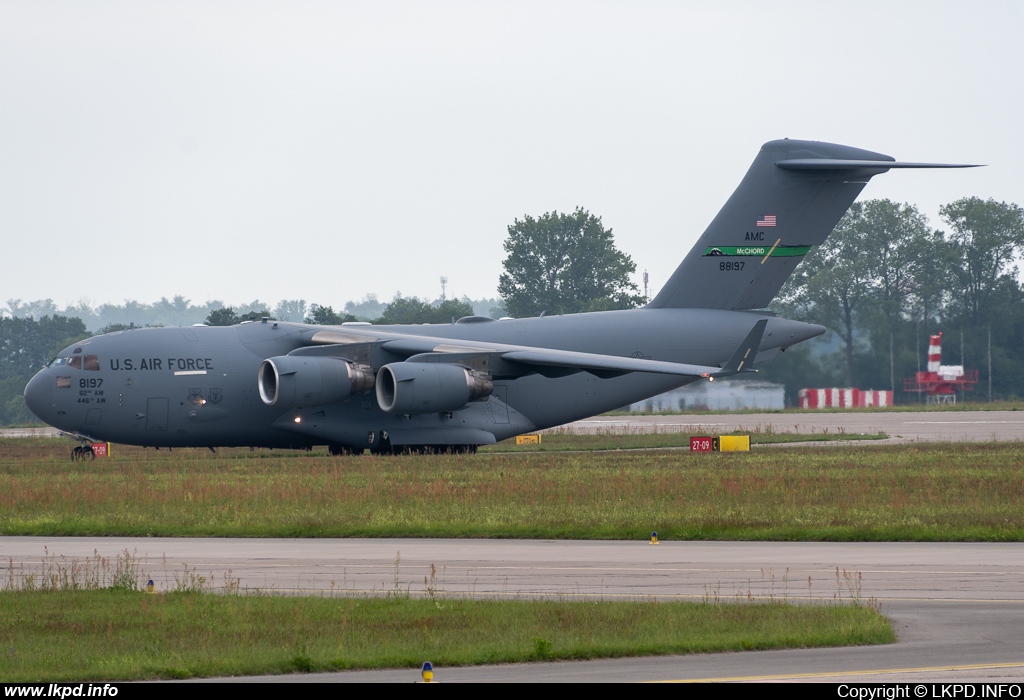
<point x="432" y="449"/>
<point x="385" y="448"/>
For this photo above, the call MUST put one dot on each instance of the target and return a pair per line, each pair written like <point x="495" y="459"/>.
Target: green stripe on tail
<point x="782" y="251"/>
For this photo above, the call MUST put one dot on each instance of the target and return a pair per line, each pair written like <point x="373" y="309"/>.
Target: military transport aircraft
<point x="477" y="380"/>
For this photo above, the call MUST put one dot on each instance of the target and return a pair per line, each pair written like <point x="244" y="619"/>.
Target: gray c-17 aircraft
<point x="453" y="387"/>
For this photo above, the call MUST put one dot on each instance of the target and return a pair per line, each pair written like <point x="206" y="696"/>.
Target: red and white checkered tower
<point x="941" y="382"/>
<point x="935" y="353"/>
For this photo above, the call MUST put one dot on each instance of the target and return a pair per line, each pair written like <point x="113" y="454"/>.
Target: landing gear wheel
<point x="383" y="446"/>
<point x="82" y="452"/>
<point x="343" y="450"/>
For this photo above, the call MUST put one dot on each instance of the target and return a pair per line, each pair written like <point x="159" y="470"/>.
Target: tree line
<point x="26" y="346"/>
<point x="885" y="280"/>
<point x="401" y="310"/>
<point x="180" y="311"/>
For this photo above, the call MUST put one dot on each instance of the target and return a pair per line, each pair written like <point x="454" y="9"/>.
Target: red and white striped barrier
<point x="874" y="397"/>
<point x="844" y="398"/>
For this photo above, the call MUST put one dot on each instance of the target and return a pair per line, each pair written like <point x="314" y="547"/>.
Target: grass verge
<point x="116" y="634"/>
<point x="930" y="492"/>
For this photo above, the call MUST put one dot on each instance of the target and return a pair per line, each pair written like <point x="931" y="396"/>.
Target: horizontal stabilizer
<point x="845" y="164"/>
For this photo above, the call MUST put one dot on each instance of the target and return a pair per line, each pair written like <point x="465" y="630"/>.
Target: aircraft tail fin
<point x="789" y="201"/>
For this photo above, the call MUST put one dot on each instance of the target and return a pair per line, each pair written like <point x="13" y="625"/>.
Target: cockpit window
<point x="87" y="362"/>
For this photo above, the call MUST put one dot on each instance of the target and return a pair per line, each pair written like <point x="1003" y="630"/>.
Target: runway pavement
<point x="958" y="607"/>
<point x="29" y="432"/>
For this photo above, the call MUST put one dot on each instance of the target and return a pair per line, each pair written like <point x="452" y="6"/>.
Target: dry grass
<point x="929" y="492"/>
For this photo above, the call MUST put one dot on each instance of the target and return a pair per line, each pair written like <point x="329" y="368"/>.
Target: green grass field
<point x="934" y="492"/>
<point x="117" y="634"/>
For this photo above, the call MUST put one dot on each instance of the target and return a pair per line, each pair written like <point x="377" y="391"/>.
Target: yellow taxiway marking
<point x="834" y="674"/>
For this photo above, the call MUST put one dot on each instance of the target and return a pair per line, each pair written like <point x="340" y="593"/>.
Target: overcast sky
<point x="323" y="150"/>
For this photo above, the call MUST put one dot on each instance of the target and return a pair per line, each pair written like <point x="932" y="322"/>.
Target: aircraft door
<point x="156" y="414"/>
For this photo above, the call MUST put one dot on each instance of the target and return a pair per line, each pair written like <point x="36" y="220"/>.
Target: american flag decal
<point x="767" y="221"/>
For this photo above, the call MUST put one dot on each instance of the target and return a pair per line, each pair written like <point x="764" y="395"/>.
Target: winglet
<point x="743" y="359"/>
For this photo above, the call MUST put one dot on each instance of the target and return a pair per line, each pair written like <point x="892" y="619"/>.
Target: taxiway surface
<point x="958" y="607"/>
<point x="900" y="426"/>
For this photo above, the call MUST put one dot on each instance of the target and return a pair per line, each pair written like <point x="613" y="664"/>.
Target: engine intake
<point x="290" y="381"/>
<point x="429" y="387"/>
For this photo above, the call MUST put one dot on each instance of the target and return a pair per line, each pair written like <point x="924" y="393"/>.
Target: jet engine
<point x="429" y="387"/>
<point x="290" y="381"/>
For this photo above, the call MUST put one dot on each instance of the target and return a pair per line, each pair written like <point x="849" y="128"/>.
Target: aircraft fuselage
<point x="197" y="386"/>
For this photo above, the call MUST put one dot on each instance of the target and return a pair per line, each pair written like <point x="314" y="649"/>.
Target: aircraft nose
<point x="39" y="395"/>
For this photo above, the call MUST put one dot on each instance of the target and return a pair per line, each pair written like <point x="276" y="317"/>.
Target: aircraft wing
<point x="424" y="348"/>
<point x="742" y="358"/>
<point x="605" y="363"/>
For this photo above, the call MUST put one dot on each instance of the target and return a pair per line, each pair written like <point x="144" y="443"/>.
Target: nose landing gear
<point x="82" y="452"/>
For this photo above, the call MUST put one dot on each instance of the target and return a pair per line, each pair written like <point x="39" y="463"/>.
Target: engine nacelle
<point x="289" y="381"/>
<point x="429" y="387"/>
